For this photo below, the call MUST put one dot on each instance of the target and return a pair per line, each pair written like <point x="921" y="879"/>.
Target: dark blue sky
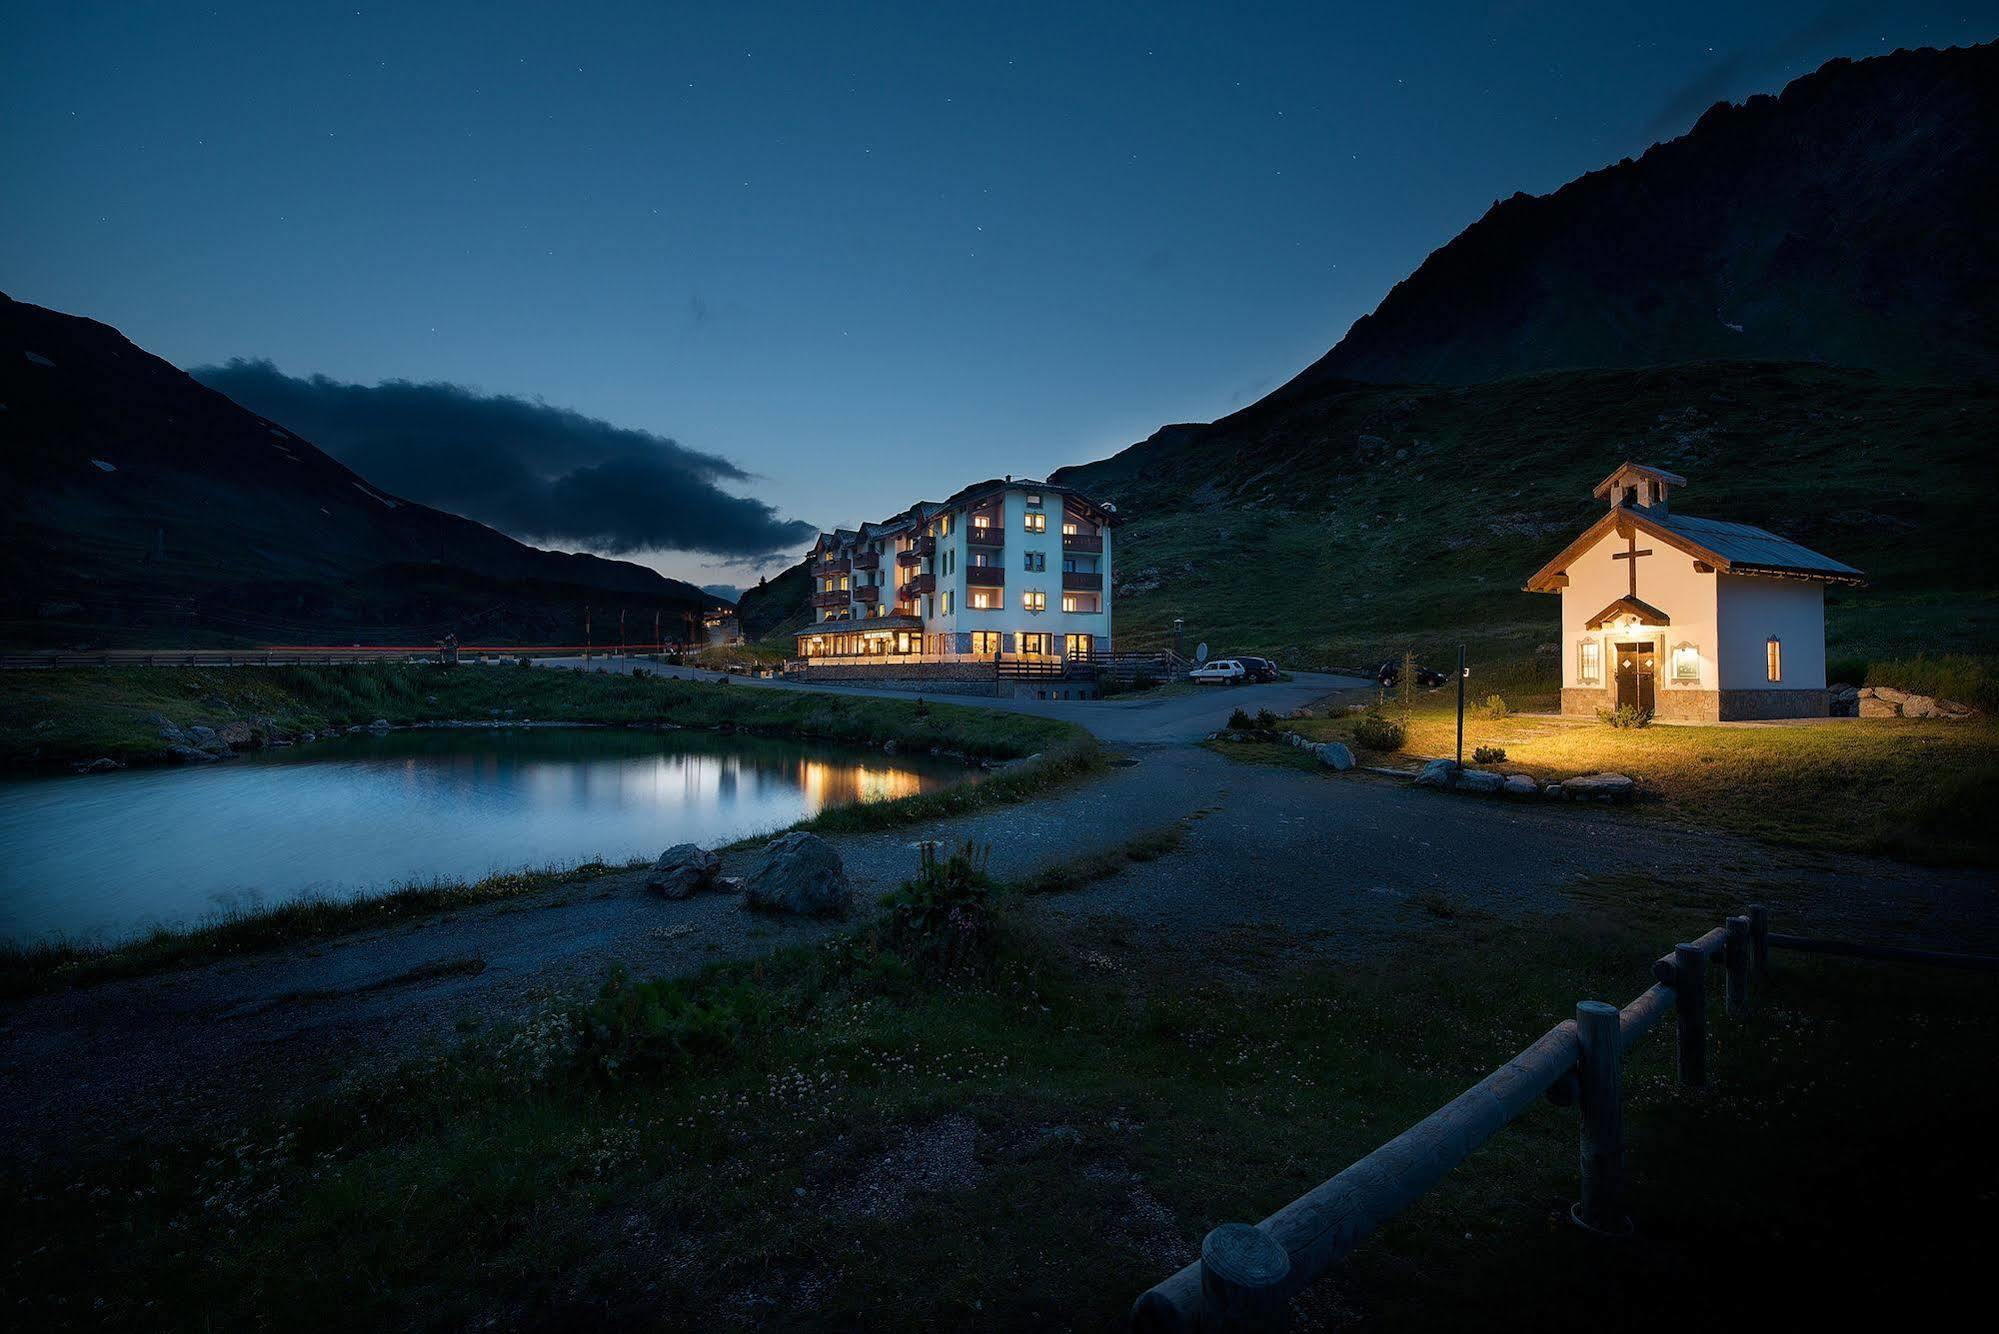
<point x="864" y="253"/>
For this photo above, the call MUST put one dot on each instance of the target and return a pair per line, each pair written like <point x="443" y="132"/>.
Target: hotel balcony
<point x="1082" y="541"/>
<point x="985" y="576"/>
<point x="1083" y="581"/>
<point x="868" y="560"/>
<point x="867" y="593"/>
<point x="916" y="586"/>
<point x="830" y="567"/>
<point x="993" y="535"/>
<point x="926" y="546"/>
<point x="911" y="557"/>
<point x="836" y="598"/>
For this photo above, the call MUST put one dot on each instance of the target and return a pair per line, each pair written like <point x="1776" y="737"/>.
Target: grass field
<point x="57" y="716"/>
<point x="844" y="1137"/>
<point x="1906" y="788"/>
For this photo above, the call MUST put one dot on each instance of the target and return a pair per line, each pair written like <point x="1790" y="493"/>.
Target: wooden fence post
<point x="1735" y="959"/>
<point x="1243" y="1281"/>
<point x="1759" y="938"/>
<point x="1601" y="1208"/>
<point x="1690" y="1002"/>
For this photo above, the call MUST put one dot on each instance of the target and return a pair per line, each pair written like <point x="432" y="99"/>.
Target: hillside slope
<point x="1847" y="220"/>
<point x="144" y="507"/>
<point x="1344" y="522"/>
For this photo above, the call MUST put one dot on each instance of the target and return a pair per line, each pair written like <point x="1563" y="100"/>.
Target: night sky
<point x="845" y="256"/>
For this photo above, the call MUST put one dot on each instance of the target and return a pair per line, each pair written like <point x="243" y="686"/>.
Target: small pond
<point x="105" y="856"/>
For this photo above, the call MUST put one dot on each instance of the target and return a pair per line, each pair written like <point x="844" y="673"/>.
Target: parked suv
<point x="1390" y="672"/>
<point x="1259" y="669"/>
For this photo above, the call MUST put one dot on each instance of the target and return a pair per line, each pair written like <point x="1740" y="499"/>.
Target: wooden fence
<point x="1247" y="1275"/>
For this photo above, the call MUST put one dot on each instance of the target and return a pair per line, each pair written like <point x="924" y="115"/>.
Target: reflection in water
<point x="111" y="854"/>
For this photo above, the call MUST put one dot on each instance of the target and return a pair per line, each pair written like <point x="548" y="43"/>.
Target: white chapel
<point x="1688" y="618"/>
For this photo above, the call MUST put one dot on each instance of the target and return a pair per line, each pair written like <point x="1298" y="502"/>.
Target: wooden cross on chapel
<point x="1631" y="553"/>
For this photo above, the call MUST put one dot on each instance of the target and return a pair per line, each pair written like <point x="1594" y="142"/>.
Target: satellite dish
<point x="1201" y="652"/>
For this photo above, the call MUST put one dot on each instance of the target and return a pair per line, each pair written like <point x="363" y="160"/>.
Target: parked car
<point x="1221" y="671"/>
<point x="1259" y="669"/>
<point x="1390" y="673"/>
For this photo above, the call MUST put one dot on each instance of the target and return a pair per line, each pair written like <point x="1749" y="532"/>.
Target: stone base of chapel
<point x="1706" y="706"/>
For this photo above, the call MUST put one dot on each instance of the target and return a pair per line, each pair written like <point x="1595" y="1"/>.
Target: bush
<point x="941" y="922"/>
<point x="1625" y="715"/>
<point x="1265" y="719"/>
<point x="1489" y="755"/>
<point x="660" y="1026"/>
<point x="1379" y="733"/>
<point x="1240" y="722"/>
<point x="1494" y="707"/>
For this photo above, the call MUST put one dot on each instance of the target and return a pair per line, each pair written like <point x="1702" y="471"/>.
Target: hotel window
<point x="1078" y="646"/>
<point x="985" y="641"/>
<point x="984" y="600"/>
<point x="1034" y="600"/>
<point x="1034" y="497"/>
<point x="1034" y="560"/>
<point x="1069" y="602"/>
<point x="1589" y="662"/>
<point x="1036" y="523"/>
<point x="1034" y="643"/>
<point x="947" y="602"/>
<point x="1686" y="665"/>
<point x="1068" y="529"/>
<point x="1773" y="658"/>
<point x="981" y="521"/>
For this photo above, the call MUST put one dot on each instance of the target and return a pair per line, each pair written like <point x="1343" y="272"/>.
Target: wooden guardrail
<point x="287" y="655"/>
<point x="1247" y="1275"/>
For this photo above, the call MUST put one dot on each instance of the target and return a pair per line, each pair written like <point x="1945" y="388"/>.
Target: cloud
<point x="541" y="473"/>
<point x="729" y="593"/>
<point x="1728" y="77"/>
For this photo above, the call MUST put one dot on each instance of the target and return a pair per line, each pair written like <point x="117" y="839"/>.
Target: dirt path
<point x="1323" y="862"/>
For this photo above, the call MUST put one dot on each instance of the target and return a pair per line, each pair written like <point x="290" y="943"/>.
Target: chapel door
<point x="1634" y="676"/>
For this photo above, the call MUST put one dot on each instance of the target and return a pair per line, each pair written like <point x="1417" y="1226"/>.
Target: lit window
<point x="1034" y="643"/>
<point x="1773" y="658"/>
<point x="1589" y="661"/>
<point x="1034" y="600"/>
<point x="985" y="641"/>
<point x="981" y="521"/>
<point x="1069" y="602"/>
<point x="983" y="600"/>
<point x="1036" y="523"/>
<point x="947" y="603"/>
<point x="1068" y="530"/>
<point x="1686" y="664"/>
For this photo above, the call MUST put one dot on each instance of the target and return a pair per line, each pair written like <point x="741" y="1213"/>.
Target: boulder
<point x="379" y="725"/>
<point x="1552" y="790"/>
<point x="1872" y="706"/>
<point x="101" y="765"/>
<point x="189" y="755"/>
<point x="236" y="734"/>
<point x="1334" y="755"/>
<point x="1889" y="693"/>
<point x="1437" y="773"/>
<point x="203" y="737"/>
<point x="682" y="870"/>
<point x="1520" y="785"/>
<point x="1919" y="706"/>
<point x="1483" y="781"/>
<point x="1599" y="787"/>
<point x="798" y="873"/>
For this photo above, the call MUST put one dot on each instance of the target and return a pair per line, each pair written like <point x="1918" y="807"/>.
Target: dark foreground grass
<point x="838" y="1138"/>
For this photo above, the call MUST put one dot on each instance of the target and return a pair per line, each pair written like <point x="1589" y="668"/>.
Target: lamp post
<point x="1463" y="672"/>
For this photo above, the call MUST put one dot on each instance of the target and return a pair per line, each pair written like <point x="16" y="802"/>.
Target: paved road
<point x="1303" y="860"/>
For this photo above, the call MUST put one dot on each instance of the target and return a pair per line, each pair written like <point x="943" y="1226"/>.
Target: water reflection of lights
<point x="845" y="784"/>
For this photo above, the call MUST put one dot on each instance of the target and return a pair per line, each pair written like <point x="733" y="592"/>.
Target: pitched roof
<point x="1637" y="470"/>
<point x="1646" y="613"/>
<point x="1731" y="548"/>
<point x="1749" y="549"/>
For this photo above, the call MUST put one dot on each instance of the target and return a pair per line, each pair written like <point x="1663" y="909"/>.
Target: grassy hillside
<point x="773" y="609"/>
<point x="1344" y="523"/>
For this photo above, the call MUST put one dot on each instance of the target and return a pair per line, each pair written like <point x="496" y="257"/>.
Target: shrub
<point x="941" y="922"/>
<point x="1240" y="722"/>
<point x="1380" y="733"/>
<point x="1625" y="715"/>
<point x="1265" y="719"/>
<point x="1494" y="707"/>
<point x="1489" y="755"/>
<point x="660" y="1025"/>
